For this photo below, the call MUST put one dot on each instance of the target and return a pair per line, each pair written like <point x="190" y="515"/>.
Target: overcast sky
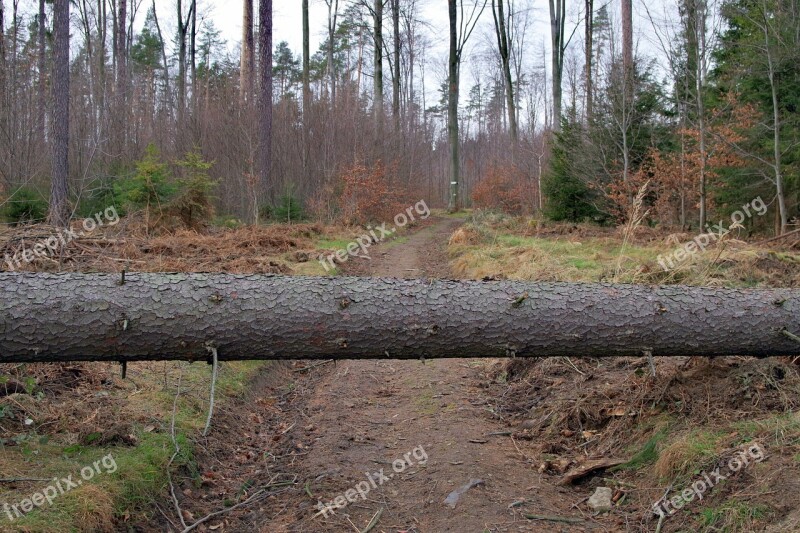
<point x="287" y="22"/>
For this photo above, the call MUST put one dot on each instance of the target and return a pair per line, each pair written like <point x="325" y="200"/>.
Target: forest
<point x="700" y="111"/>
<point x="408" y="266"/>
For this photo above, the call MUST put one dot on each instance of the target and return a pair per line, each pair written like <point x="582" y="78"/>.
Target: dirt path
<point x="427" y="425"/>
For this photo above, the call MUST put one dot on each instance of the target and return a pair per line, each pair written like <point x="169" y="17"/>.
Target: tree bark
<point x="42" y="104"/>
<point x="59" y="212"/>
<point x="63" y="317"/>
<point x="776" y="131"/>
<point x="265" y="98"/>
<point x="306" y="61"/>
<point x="193" y="58"/>
<point x="2" y="39"/>
<point x="627" y="39"/>
<point x="453" y="203"/>
<point x="247" y="61"/>
<point x="589" y="37"/>
<point x="396" y="66"/>
<point x="557" y="21"/>
<point x="183" y="30"/>
<point x="377" y="107"/>
<point x="2" y="64"/>
<point x="163" y="50"/>
<point x="120" y="115"/>
<point x="333" y="12"/>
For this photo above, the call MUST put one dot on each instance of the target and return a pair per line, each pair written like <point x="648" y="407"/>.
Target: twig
<point x="209" y="516"/>
<point x="790" y="335"/>
<point x="660" y="523"/>
<point x="315" y="365"/>
<point x="573" y="366"/>
<point x="779" y="237"/>
<point x="18" y="479"/>
<point x="547" y="518"/>
<point x="373" y="522"/>
<point x="214" y="367"/>
<point x="177" y="450"/>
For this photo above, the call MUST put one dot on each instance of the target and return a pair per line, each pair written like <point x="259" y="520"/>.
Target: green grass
<point x="732" y="516"/>
<point x="647" y="455"/>
<point x="141" y="473"/>
<point x="522" y="257"/>
<point x="127" y="482"/>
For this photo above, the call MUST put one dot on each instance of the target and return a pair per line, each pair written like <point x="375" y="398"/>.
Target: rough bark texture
<point x="59" y="189"/>
<point x="247" y="59"/>
<point x="265" y="98"/>
<point x="42" y="96"/>
<point x="122" y="39"/>
<point x="306" y="60"/>
<point x="2" y="39"/>
<point x="60" y="317"/>
<point x="377" y="81"/>
<point x="396" y="66"/>
<point x="588" y="49"/>
<point x="627" y="41"/>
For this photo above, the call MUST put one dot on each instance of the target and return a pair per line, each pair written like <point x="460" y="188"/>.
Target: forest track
<point x="368" y="414"/>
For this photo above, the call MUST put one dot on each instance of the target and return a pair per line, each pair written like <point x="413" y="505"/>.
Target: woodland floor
<point x="519" y="427"/>
<point x="292" y="435"/>
<point x="360" y="416"/>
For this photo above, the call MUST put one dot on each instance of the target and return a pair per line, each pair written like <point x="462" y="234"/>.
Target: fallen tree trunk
<point x="63" y="317"/>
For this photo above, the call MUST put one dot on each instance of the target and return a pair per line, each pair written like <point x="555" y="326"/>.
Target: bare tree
<point x="193" y="56"/>
<point x="2" y="37"/>
<point x="183" y="30"/>
<point x="767" y="20"/>
<point x="627" y="38"/>
<point x="557" y="20"/>
<point x="42" y="104"/>
<point x="377" y="107"/>
<point x="59" y="212"/>
<point x="333" y="13"/>
<point x="247" y="60"/>
<point x="265" y="100"/>
<point x="695" y="29"/>
<point x="396" y="66"/>
<point x="121" y="50"/>
<point x="503" y="47"/>
<point x="306" y="59"/>
<point x="588" y="37"/>
<point x="163" y="49"/>
<point x="461" y="28"/>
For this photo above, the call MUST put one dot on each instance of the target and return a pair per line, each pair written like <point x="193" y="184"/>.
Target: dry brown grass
<point x="251" y="249"/>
